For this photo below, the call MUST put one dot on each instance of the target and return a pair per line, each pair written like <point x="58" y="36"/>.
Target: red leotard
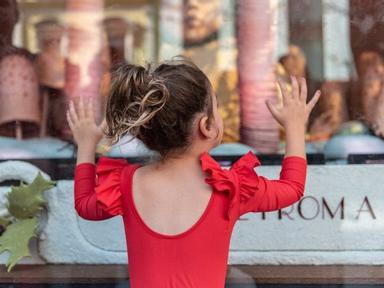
<point x="198" y="256"/>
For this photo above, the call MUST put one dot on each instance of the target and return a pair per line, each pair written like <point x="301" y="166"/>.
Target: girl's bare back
<point x="170" y="200"/>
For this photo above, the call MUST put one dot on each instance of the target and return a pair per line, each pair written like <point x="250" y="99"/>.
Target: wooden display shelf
<point x="237" y="274"/>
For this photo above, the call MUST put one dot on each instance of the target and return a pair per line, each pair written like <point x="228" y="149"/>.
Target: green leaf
<point x="16" y="238"/>
<point x="26" y="201"/>
<point x="4" y="221"/>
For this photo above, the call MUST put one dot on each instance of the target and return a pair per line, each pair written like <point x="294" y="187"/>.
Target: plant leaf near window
<point x="25" y="203"/>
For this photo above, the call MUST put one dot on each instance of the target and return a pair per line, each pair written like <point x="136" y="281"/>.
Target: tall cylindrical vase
<point x="84" y="67"/>
<point x="256" y="26"/>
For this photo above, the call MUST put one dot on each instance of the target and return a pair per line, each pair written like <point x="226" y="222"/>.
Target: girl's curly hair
<point x="157" y="105"/>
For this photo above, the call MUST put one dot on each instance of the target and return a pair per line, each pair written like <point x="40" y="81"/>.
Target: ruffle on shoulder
<point x="108" y="192"/>
<point x="240" y="182"/>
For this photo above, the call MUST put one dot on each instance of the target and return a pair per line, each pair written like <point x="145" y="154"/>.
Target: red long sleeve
<point x="276" y="194"/>
<point x="86" y="203"/>
<point x="249" y="192"/>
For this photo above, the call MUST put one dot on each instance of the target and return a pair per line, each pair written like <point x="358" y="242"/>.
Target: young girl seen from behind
<point x="179" y="212"/>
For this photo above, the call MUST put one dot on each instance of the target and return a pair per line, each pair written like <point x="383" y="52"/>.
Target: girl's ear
<point x="205" y="127"/>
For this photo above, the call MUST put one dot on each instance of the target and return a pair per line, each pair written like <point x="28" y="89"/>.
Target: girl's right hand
<point x="82" y="123"/>
<point x="295" y="110"/>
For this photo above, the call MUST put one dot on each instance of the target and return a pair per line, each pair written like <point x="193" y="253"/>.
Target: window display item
<point x="84" y="67"/>
<point x="202" y="21"/>
<point x="340" y="146"/>
<point x="332" y="111"/>
<point x="256" y="65"/>
<point x="294" y="61"/>
<point x="116" y="30"/>
<point x="19" y="91"/>
<point x="50" y="62"/>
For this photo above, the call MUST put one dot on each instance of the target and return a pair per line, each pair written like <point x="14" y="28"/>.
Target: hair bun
<point x="153" y="97"/>
<point x="139" y="94"/>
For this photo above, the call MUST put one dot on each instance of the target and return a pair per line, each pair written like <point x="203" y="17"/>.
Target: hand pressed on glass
<point x="86" y="133"/>
<point x="295" y="109"/>
<point x="293" y="114"/>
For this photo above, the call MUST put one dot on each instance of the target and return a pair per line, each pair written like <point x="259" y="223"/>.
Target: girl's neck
<point x="179" y="161"/>
<point x="186" y="160"/>
<point x="189" y="158"/>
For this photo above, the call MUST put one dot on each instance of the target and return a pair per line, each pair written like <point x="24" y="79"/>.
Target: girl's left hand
<point x="295" y="110"/>
<point x="81" y="120"/>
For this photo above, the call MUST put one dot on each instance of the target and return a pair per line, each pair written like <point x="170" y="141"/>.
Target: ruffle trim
<point x="108" y="192"/>
<point x="240" y="182"/>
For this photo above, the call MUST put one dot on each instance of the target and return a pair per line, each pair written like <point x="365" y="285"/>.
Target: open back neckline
<point x="151" y="230"/>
